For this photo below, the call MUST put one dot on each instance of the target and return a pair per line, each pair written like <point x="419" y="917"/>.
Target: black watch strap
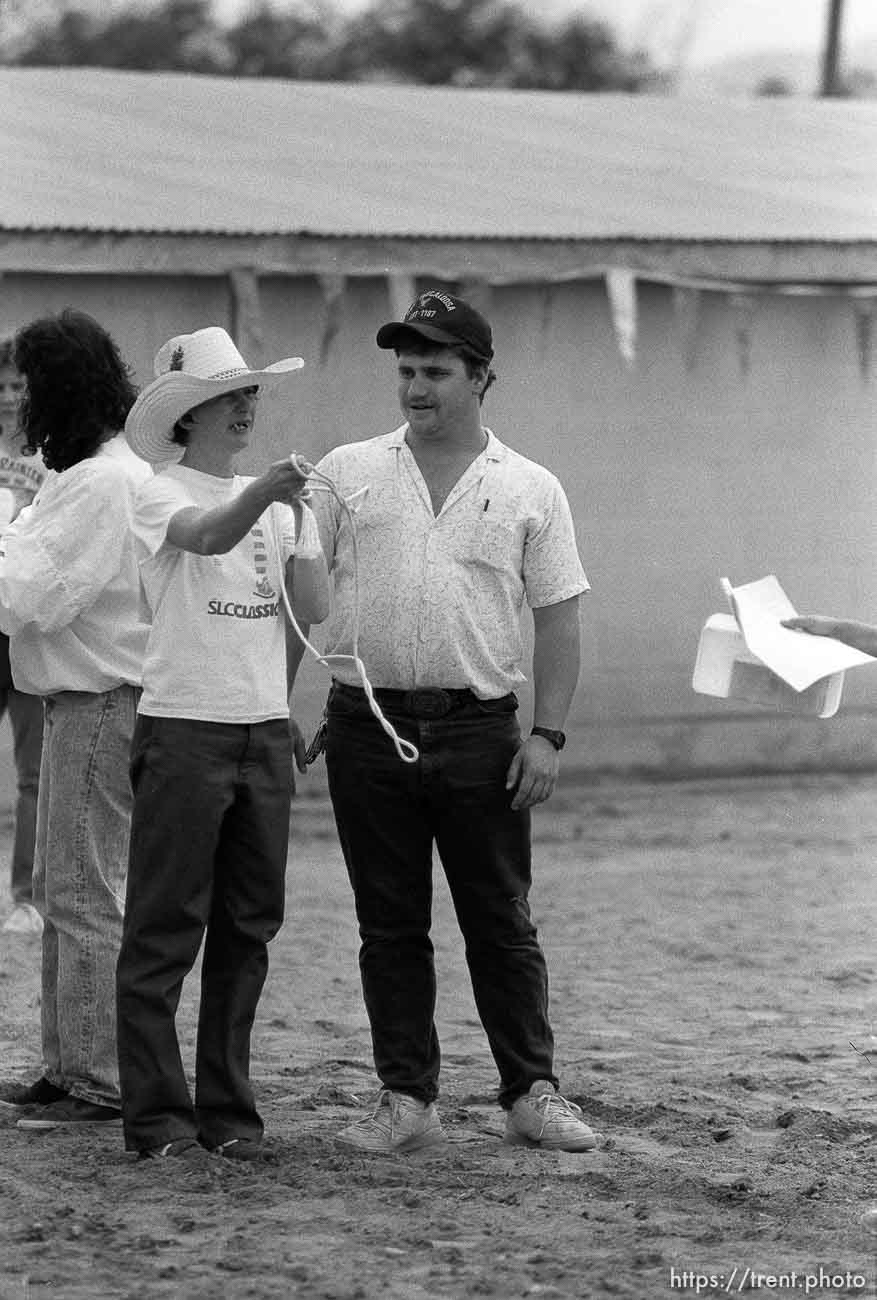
<point x="556" y="738"/>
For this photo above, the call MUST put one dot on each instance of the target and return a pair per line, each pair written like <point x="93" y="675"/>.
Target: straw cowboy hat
<point x="190" y="369"/>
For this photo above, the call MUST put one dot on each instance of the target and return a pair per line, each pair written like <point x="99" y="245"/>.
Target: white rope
<point x="407" y="752"/>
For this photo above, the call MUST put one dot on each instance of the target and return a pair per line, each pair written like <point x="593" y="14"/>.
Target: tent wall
<point x="739" y="447"/>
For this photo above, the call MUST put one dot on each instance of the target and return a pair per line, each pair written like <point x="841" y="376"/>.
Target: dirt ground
<point x="712" y="951"/>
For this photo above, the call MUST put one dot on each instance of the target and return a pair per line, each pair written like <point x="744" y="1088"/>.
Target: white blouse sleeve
<point x="59" y="555"/>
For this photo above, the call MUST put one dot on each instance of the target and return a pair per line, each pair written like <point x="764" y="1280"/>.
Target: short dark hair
<point x="6" y="351"/>
<point x="474" y="363"/>
<point x="78" y="388"/>
<point x="179" y="433"/>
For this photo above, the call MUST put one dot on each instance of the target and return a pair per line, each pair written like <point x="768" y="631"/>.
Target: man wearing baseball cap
<point x="456" y="532"/>
<point x="440" y="318"/>
<point x="211" y="758"/>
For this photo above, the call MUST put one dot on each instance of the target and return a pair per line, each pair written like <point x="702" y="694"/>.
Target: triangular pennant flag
<point x="402" y="294"/>
<point x="246" y="324"/>
<point x="743" y="305"/>
<point x="546" y="316"/>
<point x="333" y="299"/>
<point x="864" y="310"/>
<point x="621" y="288"/>
<point x="479" y="294"/>
<point x="686" y="309"/>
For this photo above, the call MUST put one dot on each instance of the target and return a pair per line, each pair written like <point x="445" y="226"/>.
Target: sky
<point x="699" y="32"/>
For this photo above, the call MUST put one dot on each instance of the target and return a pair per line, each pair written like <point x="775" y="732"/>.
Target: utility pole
<point x="831" y="54"/>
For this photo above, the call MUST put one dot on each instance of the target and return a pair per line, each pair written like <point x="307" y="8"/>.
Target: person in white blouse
<point x="70" y="603"/>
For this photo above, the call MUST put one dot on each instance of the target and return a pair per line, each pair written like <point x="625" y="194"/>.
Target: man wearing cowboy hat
<point x="211" y="759"/>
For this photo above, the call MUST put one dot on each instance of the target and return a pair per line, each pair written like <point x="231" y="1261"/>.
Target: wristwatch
<point x="556" y="738"/>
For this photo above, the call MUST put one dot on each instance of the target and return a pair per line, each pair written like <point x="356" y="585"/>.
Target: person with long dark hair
<point x="70" y="602"/>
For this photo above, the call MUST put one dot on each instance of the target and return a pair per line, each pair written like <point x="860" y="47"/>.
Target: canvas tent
<point x="682" y="296"/>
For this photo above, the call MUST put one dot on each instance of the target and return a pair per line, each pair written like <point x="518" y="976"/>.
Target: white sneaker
<point x="542" y="1118"/>
<point x="23" y="919"/>
<point x="398" y="1123"/>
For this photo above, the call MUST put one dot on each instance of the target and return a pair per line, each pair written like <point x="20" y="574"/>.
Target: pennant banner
<point x="479" y="294"/>
<point x="864" y="308"/>
<point x="333" y="300"/>
<point x="686" y="309"/>
<point x="744" y="306"/>
<point x="246" y="313"/>
<point x="546" y="300"/>
<point x="402" y="294"/>
<point x="621" y="288"/>
<point x="687" y="290"/>
<point x="597" y="271"/>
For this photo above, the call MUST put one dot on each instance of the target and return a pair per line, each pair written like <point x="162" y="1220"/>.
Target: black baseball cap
<point x="441" y="318"/>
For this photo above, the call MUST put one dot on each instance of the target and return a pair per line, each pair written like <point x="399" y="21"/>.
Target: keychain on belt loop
<point x="407" y="752"/>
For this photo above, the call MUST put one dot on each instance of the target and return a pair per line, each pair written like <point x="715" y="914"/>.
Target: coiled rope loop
<point x="407" y="752"/>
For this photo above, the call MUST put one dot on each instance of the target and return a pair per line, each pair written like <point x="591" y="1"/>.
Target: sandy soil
<point x="712" y="955"/>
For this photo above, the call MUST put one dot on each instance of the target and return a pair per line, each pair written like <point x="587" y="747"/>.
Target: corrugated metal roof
<point x="117" y="151"/>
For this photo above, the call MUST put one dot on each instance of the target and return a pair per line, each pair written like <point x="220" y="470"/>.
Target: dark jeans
<point x="209" y="839"/>
<point x="389" y="814"/>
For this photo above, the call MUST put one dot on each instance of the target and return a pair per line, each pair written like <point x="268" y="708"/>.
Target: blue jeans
<point x="26" y="720"/>
<point x="83" y="820"/>
<point x="209" y="841"/>
<point x="389" y="814"/>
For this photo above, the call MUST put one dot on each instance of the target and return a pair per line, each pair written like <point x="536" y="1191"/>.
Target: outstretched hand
<point x="287" y="479"/>
<point x="815" y="624"/>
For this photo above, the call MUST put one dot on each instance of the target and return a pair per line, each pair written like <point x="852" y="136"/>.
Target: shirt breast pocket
<point x="495" y="543"/>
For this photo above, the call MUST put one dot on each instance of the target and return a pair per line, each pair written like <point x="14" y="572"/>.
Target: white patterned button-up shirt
<point x="440" y="596"/>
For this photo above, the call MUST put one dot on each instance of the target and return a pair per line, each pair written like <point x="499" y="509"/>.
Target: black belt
<point x="428" y="702"/>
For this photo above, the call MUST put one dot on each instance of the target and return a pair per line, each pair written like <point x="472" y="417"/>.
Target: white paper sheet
<point x="798" y="657"/>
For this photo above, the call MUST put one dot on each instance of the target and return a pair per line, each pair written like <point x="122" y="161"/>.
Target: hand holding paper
<point x="861" y="636"/>
<point x="762" y="653"/>
<point x="761" y="608"/>
<point x="815" y="624"/>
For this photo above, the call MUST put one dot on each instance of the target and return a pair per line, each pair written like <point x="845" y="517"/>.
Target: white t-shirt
<point x="217" y="648"/>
